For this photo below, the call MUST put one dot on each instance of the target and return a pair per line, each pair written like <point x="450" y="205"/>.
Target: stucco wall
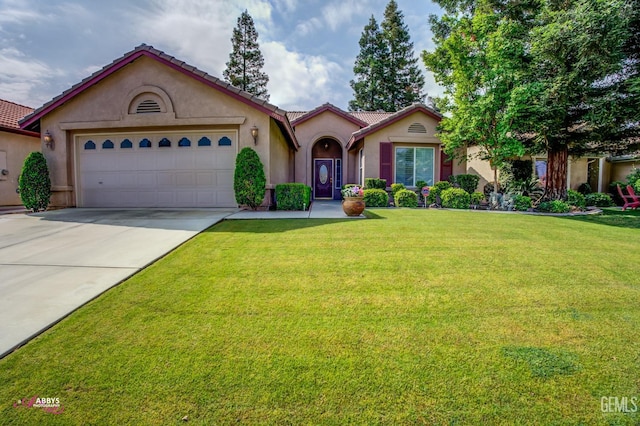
<point x="104" y="107"/>
<point x="620" y="170"/>
<point x="14" y="148"/>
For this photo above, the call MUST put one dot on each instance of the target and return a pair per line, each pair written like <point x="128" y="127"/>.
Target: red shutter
<point x="446" y="166"/>
<point x="386" y="162"/>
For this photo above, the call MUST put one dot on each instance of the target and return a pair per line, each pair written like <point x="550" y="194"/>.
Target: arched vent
<point x="417" y="128"/>
<point x="148" y="106"/>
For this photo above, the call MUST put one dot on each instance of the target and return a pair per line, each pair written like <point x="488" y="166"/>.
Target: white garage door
<point x="190" y="169"/>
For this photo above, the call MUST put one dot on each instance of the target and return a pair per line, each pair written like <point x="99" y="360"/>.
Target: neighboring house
<point x="15" y="146"/>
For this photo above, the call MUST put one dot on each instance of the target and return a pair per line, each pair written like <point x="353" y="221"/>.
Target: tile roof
<point x="304" y="116"/>
<point x="371" y="117"/>
<point x="11" y="113"/>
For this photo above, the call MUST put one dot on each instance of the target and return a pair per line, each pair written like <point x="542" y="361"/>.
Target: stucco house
<point x="149" y="130"/>
<point x="15" y="146"/>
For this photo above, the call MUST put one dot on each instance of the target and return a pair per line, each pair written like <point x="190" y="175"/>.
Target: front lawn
<point x="414" y="317"/>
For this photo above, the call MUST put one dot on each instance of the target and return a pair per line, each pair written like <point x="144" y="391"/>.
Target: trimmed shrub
<point x="376" y="198"/>
<point x="373" y="183"/>
<point x="584" y="188"/>
<point x="405" y="198"/>
<point x="436" y="190"/>
<point x="574" y="198"/>
<point x="293" y="196"/>
<point x="599" y="199"/>
<point x="468" y="182"/>
<point x="395" y="187"/>
<point x="34" y="183"/>
<point x="477" y="198"/>
<point x="555" y="206"/>
<point x="455" y="198"/>
<point x="248" y="179"/>
<point x="522" y="203"/>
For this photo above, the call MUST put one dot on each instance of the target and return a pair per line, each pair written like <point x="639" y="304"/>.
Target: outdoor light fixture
<point x="48" y="140"/>
<point x="326" y="146"/>
<point x="254" y="134"/>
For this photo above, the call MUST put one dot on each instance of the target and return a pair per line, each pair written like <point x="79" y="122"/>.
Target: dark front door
<point x="323" y="178"/>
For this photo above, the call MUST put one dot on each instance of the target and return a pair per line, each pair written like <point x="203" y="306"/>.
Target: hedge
<point x="293" y="196"/>
<point x="249" y="179"/>
<point x="376" y="198"/>
<point x="373" y="183"/>
<point x="405" y="198"/>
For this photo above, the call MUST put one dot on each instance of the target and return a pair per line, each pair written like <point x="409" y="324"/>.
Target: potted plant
<point x="353" y="203"/>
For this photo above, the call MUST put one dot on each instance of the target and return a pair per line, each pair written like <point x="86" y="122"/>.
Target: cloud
<point x="17" y="12"/>
<point x="22" y="79"/>
<point x="286" y="6"/>
<point x="308" y="27"/>
<point x="339" y="13"/>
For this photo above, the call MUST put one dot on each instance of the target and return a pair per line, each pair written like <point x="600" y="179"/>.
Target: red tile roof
<point x="301" y="117"/>
<point x="11" y="113"/>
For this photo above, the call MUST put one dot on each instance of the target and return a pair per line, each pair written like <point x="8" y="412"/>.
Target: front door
<point x="323" y="178"/>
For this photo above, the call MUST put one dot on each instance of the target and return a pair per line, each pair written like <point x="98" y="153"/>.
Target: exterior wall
<point x="105" y="108"/>
<point x="620" y="169"/>
<point x="398" y="134"/>
<point x="14" y="149"/>
<point x="476" y="166"/>
<point x="324" y="125"/>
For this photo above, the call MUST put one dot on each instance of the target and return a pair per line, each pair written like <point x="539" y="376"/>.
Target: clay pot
<point x="353" y="206"/>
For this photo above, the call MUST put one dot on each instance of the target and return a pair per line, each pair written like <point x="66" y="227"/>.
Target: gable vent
<point x="417" y="128"/>
<point x="148" y="106"/>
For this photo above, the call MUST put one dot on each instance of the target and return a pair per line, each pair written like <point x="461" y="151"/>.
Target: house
<point x="15" y="146"/>
<point x="149" y="130"/>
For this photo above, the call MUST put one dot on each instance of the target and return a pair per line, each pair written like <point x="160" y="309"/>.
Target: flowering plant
<point x="352" y="191"/>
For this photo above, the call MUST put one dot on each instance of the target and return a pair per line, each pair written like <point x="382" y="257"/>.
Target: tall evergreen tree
<point x="369" y="70"/>
<point x="244" y="69"/>
<point x="404" y="82"/>
<point x="387" y="74"/>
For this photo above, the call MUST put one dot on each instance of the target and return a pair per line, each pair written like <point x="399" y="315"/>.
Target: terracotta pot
<point x="353" y="206"/>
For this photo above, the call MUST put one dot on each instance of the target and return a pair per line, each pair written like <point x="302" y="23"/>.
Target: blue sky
<point x="309" y="45"/>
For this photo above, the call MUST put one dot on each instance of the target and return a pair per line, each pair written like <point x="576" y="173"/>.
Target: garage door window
<point x="204" y="141"/>
<point x="107" y="144"/>
<point x="89" y="145"/>
<point x="184" y="142"/>
<point x="224" y="141"/>
<point x="164" y="143"/>
<point x="126" y="144"/>
<point x="145" y="143"/>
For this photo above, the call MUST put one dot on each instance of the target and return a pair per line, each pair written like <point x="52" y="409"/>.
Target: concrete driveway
<point x="51" y="263"/>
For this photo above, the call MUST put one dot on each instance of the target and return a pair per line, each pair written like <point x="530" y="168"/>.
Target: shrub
<point x="34" y="183"/>
<point x="376" y="198"/>
<point x="633" y="177"/>
<point x="468" y="182"/>
<point x="636" y="187"/>
<point x="599" y="199"/>
<point x="455" y="198"/>
<point x="436" y="190"/>
<point x="613" y="190"/>
<point x="293" y="196"/>
<point x="248" y="179"/>
<point x="574" y="198"/>
<point x="373" y="183"/>
<point x="522" y="203"/>
<point x="555" y="206"/>
<point x="405" y="198"/>
<point x="395" y="187"/>
<point x="477" y="198"/>
<point x="584" y="188"/>
<point x="521" y="169"/>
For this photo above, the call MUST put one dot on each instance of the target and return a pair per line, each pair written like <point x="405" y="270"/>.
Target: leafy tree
<point x="369" y="70"/>
<point x="34" y="182"/>
<point x="244" y="69"/>
<point x="249" y="179"/>
<point x="387" y="74"/>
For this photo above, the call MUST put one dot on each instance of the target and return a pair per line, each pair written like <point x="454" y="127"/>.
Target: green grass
<point x="415" y="317"/>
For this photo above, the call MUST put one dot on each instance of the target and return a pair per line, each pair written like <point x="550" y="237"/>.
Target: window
<point x="89" y="145"/>
<point x="126" y="144"/>
<point x="164" y="143"/>
<point x="107" y="144"/>
<point x="338" y="173"/>
<point x="414" y="164"/>
<point x="541" y="171"/>
<point x="145" y="143"/>
<point x="204" y="141"/>
<point x="224" y="141"/>
<point x="184" y="142"/>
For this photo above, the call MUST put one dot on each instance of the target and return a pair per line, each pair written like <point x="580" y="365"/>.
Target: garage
<point x="156" y="169"/>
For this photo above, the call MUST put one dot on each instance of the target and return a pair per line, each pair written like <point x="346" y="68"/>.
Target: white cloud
<point x="308" y="27"/>
<point x="22" y="78"/>
<point x="286" y="6"/>
<point x="338" y="14"/>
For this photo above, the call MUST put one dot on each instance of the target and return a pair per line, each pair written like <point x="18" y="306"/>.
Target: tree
<point x="387" y="73"/>
<point x="403" y="83"/>
<point x="244" y="69"/>
<point x="249" y="179"/>
<point x="369" y="70"/>
<point x="34" y="182"/>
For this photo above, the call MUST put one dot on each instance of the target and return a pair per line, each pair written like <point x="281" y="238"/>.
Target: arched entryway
<point x="327" y="169"/>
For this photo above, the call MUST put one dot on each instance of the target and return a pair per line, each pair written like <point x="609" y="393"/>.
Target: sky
<point x="309" y="46"/>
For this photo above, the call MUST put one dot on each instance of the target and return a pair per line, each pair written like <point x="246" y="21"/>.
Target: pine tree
<point x="369" y="70"/>
<point x="404" y="82"/>
<point x="244" y="69"/>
